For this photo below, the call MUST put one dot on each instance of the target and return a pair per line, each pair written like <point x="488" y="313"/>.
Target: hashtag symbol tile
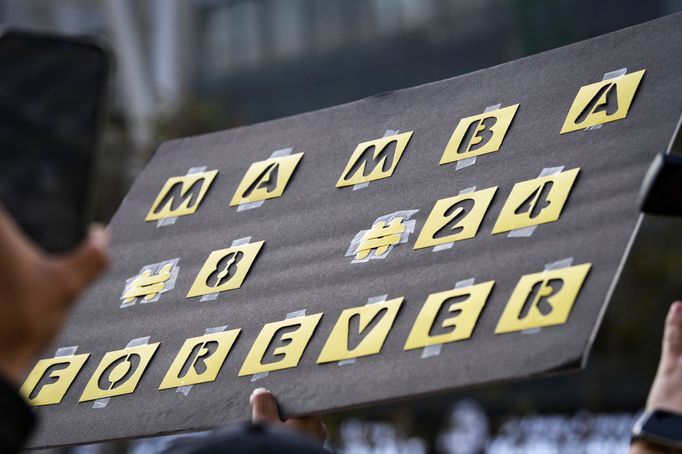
<point x="380" y="238"/>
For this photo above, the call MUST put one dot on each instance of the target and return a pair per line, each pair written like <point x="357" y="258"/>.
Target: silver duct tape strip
<point x="547" y="171"/>
<point x="346" y="362"/>
<point x="491" y="108"/>
<point x="282" y="152"/>
<point x="66" y="351"/>
<point x="464" y="163"/>
<point x="258" y="376"/>
<point x="531" y="331"/>
<point x="249" y="205"/>
<point x="559" y="264"/>
<point x="295" y="314"/>
<point x="154" y="268"/>
<point x="370" y="300"/>
<point x="138" y="341"/>
<point x="241" y="241"/>
<point x="526" y="232"/>
<point x="563" y="263"/>
<point x="446" y="246"/>
<point x="184" y="390"/>
<point x="468" y="162"/>
<point x="166" y="221"/>
<point x="170" y="221"/>
<point x="289" y="316"/>
<point x="216" y="329"/>
<point x="252" y="205"/>
<point x="465" y="283"/>
<point x="467" y="190"/>
<point x="387" y="133"/>
<point x="376" y="299"/>
<point x="404" y="237"/>
<point x="237" y="242"/>
<point x="434" y="350"/>
<point x="431" y="350"/>
<point x="102" y="403"/>
<point x="442" y="247"/>
<point x="209" y="297"/>
<point x="617" y="74"/>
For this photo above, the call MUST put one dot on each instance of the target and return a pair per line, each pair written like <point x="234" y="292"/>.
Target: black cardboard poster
<point x="297" y="244"/>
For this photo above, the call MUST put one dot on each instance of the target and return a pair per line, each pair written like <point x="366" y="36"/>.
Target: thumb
<point x="672" y="334"/>
<point x="263" y="407"/>
<point x="83" y="265"/>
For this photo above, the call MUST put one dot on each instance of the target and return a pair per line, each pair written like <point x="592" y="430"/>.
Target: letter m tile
<point x="374" y="160"/>
<point x="181" y="195"/>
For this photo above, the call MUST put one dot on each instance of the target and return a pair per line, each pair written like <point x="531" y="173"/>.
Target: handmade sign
<point x="459" y="233"/>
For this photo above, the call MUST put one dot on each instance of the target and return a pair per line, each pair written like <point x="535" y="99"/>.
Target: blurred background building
<point x="186" y="67"/>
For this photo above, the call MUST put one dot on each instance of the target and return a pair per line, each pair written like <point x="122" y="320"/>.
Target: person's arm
<point x="666" y="390"/>
<point x="36" y="292"/>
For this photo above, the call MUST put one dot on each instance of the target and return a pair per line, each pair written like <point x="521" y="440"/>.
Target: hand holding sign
<point x="37" y="290"/>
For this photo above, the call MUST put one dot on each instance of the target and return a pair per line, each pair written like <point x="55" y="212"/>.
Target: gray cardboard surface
<point x="308" y="230"/>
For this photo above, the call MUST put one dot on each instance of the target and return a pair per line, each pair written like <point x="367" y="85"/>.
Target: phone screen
<point x="52" y="96"/>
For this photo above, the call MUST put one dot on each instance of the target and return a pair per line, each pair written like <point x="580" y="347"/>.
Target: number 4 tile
<point x="536" y="201"/>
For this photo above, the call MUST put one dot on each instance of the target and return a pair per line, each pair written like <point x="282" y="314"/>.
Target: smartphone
<point x="53" y="92"/>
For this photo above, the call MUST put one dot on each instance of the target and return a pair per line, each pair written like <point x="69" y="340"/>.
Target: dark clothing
<point x="16" y="419"/>
<point x="248" y="439"/>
